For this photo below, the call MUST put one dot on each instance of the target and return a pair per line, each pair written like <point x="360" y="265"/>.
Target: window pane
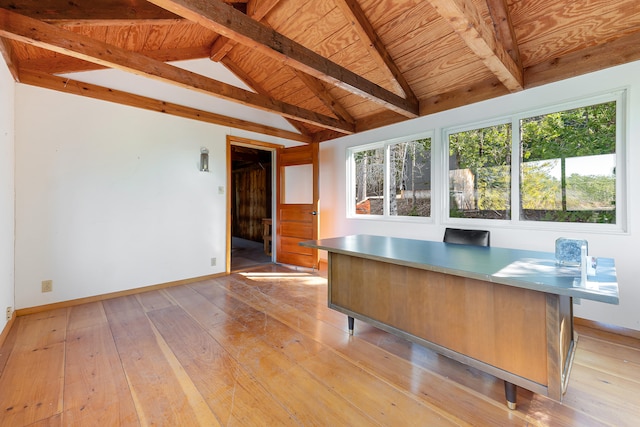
<point x="480" y="173"/>
<point x="410" y="178"/>
<point x="569" y="166"/>
<point x="369" y="191"/>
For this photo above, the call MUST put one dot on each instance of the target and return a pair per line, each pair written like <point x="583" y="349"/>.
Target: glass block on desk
<point x="568" y="251"/>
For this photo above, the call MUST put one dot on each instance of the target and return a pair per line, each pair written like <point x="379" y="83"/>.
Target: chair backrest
<point x="466" y="237"/>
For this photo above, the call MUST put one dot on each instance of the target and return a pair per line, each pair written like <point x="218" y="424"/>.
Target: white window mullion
<point x="386" y="189"/>
<point x="516" y="156"/>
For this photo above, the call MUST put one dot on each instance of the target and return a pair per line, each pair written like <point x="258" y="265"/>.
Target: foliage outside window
<point x="566" y="171"/>
<point x="480" y="173"/>
<point x="369" y="182"/>
<point x="393" y="179"/>
<point x="569" y="165"/>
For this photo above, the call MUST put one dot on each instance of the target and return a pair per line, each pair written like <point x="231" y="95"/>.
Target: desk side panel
<point x="561" y="346"/>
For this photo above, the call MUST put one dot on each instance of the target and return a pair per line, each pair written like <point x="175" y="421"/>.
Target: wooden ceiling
<point x="330" y="67"/>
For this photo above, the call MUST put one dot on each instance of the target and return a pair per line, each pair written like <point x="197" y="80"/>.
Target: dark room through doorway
<point x="251" y="206"/>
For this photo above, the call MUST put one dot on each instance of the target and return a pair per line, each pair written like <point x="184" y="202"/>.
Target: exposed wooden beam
<point x="620" y="51"/>
<point x="74" y="87"/>
<point x="505" y="33"/>
<point x="227" y="21"/>
<point x="37" y="33"/>
<point x="9" y="58"/>
<point x="317" y="87"/>
<point x="252" y="83"/>
<point x="221" y="46"/>
<point x="326" y="135"/>
<point x="468" y="23"/>
<point x="61" y="64"/>
<point x="256" y="10"/>
<point x="354" y="14"/>
<point x="87" y="11"/>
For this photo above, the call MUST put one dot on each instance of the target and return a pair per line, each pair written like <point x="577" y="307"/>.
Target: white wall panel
<point x="6" y="192"/>
<point x="110" y="198"/>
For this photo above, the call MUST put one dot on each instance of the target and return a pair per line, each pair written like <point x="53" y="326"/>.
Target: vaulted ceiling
<point x="330" y="67"/>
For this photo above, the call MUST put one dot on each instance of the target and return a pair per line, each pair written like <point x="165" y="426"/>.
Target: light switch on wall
<point x="221" y="189"/>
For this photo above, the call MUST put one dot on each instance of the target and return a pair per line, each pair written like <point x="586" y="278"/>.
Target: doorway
<point x="251" y="201"/>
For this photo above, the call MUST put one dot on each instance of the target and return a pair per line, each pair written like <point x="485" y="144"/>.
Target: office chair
<point x="466" y="237"/>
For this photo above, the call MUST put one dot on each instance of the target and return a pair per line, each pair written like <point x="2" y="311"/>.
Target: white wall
<point x="110" y="198"/>
<point x="6" y="192"/>
<point x="624" y="247"/>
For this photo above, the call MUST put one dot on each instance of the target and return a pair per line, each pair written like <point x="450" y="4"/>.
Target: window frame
<point x="619" y="96"/>
<point x="351" y="179"/>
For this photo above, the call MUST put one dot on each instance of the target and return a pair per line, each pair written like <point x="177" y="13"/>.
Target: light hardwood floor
<point x="262" y="348"/>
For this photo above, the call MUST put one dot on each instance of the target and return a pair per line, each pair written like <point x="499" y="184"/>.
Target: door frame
<point x="267" y="146"/>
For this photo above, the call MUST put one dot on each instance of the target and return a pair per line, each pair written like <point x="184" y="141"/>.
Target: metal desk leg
<point x="510" y="391"/>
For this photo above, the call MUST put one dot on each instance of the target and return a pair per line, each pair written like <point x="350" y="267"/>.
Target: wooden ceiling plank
<point x="37" y="33"/>
<point x="230" y="23"/>
<point x="425" y="26"/>
<point x="310" y="103"/>
<point x="574" y="33"/>
<point x="156" y="37"/>
<point x="295" y="17"/>
<point x="439" y="50"/>
<point x="378" y="120"/>
<point x="467" y="22"/>
<point x="617" y="52"/>
<point x="327" y="99"/>
<point x="452" y="69"/>
<point x="383" y="12"/>
<point x="74" y="87"/>
<point x="536" y="20"/>
<point x="505" y="33"/>
<point x="10" y="58"/>
<point x="256" y="10"/>
<point x="470" y="94"/>
<point x="242" y="75"/>
<point x="354" y="14"/>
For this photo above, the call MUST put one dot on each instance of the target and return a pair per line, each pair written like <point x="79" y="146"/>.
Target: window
<point x="392" y="179"/>
<point x="569" y="165"/>
<point x="480" y="173"/>
<point x="562" y="163"/>
<point x="560" y="167"/>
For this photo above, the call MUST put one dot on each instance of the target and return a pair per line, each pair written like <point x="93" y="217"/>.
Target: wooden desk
<point x="507" y="312"/>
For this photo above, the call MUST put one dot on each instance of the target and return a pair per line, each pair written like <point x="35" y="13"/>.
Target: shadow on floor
<point x="247" y="253"/>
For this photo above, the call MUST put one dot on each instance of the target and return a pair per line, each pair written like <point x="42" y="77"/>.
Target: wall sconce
<point x="204" y="160"/>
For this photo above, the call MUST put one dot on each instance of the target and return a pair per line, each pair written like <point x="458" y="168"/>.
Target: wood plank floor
<point x="262" y="348"/>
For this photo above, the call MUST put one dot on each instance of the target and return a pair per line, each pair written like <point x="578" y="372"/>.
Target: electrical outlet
<point x="213" y="262"/>
<point x="9" y="313"/>
<point x="47" y="285"/>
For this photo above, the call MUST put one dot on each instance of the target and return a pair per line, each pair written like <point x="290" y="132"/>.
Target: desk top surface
<point x="514" y="267"/>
